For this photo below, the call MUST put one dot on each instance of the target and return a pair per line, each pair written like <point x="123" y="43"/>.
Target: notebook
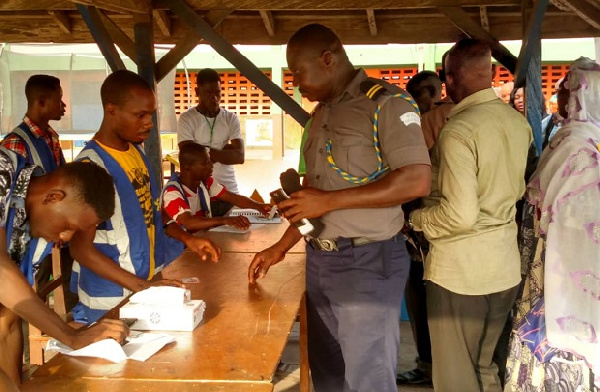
<point x="254" y="216"/>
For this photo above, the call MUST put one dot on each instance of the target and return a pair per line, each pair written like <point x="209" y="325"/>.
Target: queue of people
<point x="383" y="165"/>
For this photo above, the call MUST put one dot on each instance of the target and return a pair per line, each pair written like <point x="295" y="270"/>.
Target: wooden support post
<point x="91" y="18"/>
<point x="144" y="45"/>
<point x="529" y="66"/>
<point x="245" y="66"/>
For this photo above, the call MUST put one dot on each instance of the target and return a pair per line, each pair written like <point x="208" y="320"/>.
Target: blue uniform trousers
<point x="353" y="305"/>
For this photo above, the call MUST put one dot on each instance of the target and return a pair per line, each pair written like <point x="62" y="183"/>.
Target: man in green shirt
<point x="473" y="268"/>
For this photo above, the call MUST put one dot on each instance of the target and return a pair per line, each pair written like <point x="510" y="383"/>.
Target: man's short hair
<point x="190" y="152"/>
<point x="92" y="185"/>
<point x="116" y="88"/>
<point x="424" y="80"/>
<point x="40" y="86"/>
<point x="317" y="37"/>
<point x="207" y="75"/>
<point x="466" y="52"/>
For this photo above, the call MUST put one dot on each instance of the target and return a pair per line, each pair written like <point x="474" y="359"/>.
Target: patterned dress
<point x="554" y="345"/>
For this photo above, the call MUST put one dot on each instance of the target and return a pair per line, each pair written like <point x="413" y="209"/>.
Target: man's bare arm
<point x="83" y="250"/>
<point x="232" y="154"/>
<point x="18" y="296"/>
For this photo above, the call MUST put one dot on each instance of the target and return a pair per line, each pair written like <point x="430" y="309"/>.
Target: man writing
<point x="123" y="254"/>
<point x="357" y="268"/>
<point x="53" y="206"/>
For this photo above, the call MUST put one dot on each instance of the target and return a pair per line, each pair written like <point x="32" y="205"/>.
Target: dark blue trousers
<point x="353" y="306"/>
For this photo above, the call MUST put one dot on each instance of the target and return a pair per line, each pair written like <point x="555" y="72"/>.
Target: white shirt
<point x="193" y="125"/>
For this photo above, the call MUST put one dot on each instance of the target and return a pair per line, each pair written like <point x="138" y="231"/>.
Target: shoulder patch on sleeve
<point x="409" y="118"/>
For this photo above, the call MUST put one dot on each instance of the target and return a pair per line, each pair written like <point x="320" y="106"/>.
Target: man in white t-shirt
<point x="214" y="127"/>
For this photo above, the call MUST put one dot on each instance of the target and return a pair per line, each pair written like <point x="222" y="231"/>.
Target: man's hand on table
<point x="239" y="222"/>
<point x="262" y="261"/>
<point x="204" y="247"/>
<point x="103" y="329"/>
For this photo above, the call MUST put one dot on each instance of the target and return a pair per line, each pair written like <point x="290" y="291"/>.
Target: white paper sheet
<point x="230" y="229"/>
<point x="139" y="347"/>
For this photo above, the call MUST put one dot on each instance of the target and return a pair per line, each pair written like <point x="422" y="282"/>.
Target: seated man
<point x="77" y="196"/>
<point x="125" y="252"/>
<point x="187" y="196"/>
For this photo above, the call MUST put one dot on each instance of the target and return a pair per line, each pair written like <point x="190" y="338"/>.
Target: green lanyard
<point x="211" y="126"/>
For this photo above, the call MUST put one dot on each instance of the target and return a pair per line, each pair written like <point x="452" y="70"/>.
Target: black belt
<point x="327" y="245"/>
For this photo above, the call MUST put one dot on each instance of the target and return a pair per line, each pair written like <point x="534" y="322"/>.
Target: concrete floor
<point x="287" y="377"/>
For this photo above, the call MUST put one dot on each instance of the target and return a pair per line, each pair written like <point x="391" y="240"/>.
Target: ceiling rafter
<point x="134" y="6"/>
<point x="483" y="17"/>
<point x="372" y="22"/>
<point x="269" y="22"/>
<point x="163" y="21"/>
<point x="62" y="20"/>
<point x="583" y="9"/>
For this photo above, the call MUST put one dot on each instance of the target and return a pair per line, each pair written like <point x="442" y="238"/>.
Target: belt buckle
<point x="326" y="245"/>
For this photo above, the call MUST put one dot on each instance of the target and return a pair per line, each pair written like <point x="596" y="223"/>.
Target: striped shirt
<point x="15" y="143"/>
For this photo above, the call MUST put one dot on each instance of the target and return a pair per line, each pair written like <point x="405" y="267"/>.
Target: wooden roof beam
<point x="463" y="21"/>
<point x="62" y="20"/>
<point x="584" y="10"/>
<point x="483" y="17"/>
<point x="245" y="66"/>
<point x="121" y="39"/>
<point x="372" y="22"/>
<point x="128" y="6"/>
<point x="185" y="46"/>
<point x="163" y="22"/>
<point x="269" y="22"/>
<point x="101" y="36"/>
<point x="276" y="5"/>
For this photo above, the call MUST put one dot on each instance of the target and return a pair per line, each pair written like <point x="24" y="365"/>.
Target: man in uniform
<point x="356" y="182"/>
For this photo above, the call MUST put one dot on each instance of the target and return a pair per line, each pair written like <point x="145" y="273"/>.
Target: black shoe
<point x="413" y="377"/>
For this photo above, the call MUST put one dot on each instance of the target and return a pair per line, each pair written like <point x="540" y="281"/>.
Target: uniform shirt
<point x="348" y="122"/>
<point x="193" y="125"/>
<point x="175" y="203"/>
<point x="16" y="144"/>
<point x="132" y="163"/>
<point x="469" y="218"/>
<point x="19" y="241"/>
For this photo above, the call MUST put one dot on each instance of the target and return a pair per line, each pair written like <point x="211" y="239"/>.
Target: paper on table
<point x="230" y="229"/>
<point x="140" y="347"/>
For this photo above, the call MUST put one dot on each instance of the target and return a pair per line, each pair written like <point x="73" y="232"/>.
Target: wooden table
<point x="259" y="237"/>
<point x="236" y="347"/>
